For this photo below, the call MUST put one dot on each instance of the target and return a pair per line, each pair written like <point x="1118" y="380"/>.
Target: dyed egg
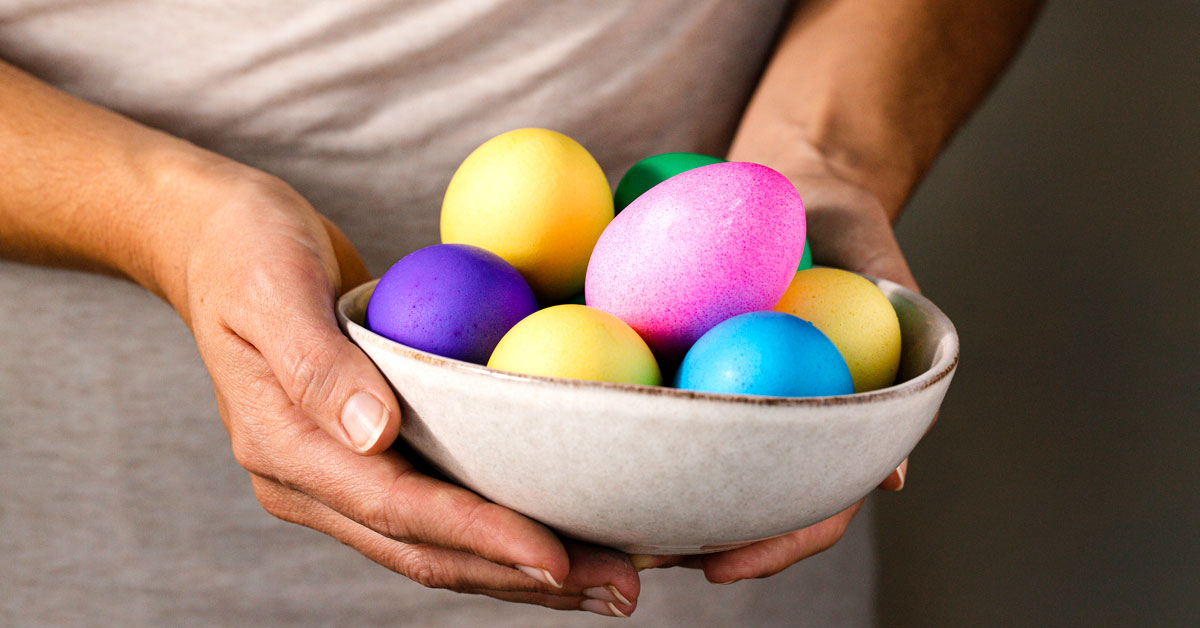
<point x="453" y="300"/>
<point x="765" y="353"/>
<point x="537" y="199"/>
<point x="806" y="257"/>
<point x="855" y="315"/>
<point x="651" y="171"/>
<point x="696" y="249"/>
<point x="579" y="342"/>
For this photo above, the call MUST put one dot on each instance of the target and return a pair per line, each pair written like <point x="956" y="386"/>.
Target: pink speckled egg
<point x="696" y="249"/>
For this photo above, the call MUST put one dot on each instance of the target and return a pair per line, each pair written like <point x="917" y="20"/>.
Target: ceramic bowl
<point x="658" y="470"/>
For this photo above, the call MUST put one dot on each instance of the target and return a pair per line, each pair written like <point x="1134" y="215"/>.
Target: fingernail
<point x="900" y="472"/>
<point x="541" y="575"/>
<point x="730" y="581"/>
<point x="363" y="418"/>
<point x="600" y="607"/>
<point x="607" y="593"/>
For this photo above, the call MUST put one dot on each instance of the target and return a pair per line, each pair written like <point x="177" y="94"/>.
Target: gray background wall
<point x="1059" y="232"/>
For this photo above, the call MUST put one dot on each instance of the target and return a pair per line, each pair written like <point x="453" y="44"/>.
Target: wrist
<point x="164" y="211"/>
<point x="849" y="218"/>
<point x="187" y="189"/>
<point x="822" y="147"/>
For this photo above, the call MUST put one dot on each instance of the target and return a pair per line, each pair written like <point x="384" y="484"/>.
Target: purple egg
<point x="453" y="300"/>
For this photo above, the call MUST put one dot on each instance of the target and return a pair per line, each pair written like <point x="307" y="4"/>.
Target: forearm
<point x="875" y="88"/>
<point x="86" y="188"/>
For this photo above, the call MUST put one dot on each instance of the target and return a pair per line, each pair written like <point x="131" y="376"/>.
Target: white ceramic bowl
<point x="659" y="470"/>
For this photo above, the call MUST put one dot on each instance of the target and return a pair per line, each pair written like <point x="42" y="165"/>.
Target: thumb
<point x="330" y="379"/>
<point x="849" y="228"/>
<point x="858" y="236"/>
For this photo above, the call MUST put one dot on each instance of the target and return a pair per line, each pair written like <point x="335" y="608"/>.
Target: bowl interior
<point x="928" y="349"/>
<point x="653" y="469"/>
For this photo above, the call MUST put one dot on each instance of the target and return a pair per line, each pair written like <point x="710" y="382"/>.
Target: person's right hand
<point x="312" y="419"/>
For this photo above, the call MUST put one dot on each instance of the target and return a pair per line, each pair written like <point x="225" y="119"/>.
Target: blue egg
<point x="765" y="353"/>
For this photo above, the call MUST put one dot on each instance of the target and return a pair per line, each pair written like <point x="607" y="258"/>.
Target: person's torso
<point x="367" y="106"/>
<point x="123" y="505"/>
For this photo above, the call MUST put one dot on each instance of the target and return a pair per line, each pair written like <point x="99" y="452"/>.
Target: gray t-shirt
<point x="122" y="504"/>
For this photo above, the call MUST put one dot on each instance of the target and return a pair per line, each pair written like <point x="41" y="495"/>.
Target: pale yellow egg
<point x="578" y="342"/>
<point x="854" y="314"/>
<point x="536" y="198"/>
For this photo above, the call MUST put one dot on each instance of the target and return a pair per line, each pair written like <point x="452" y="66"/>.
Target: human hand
<point x="312" y="419"/>
<point x="848" y="228"/>
<point x="855" y="144"/>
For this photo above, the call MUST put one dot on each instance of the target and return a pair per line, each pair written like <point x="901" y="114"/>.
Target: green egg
<point x="805" y="258"/>
<point x="651" y="171"/>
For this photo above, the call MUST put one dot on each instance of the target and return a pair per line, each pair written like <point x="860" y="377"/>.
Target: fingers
<point x="601" y="581"/>
<point x="301" y="402"/>
<point x="895" y="480"/>
<point x="429" y="565"/>
<point x="323" y="373"/>
<point x="591" y="576"/>
<point x="562" y="602"/>
<point x="268" y="271"/>
<point x="387" y="495"/>
<point x="603" y="574"/>
<point x="272" y="438"/>
<point x="850" y="229"/>
<point x="588" y="587"/>
<point x="769" y="557"/>
<point x="557" y="602"/>
<point x="858" y="238"/>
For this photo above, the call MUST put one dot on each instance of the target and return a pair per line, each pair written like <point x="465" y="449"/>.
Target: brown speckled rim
<point x="351" y="308"/>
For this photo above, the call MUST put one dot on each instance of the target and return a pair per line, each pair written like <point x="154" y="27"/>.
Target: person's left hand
<point x="848" y="228"/>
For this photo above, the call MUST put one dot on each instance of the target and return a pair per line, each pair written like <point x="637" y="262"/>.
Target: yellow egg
<point x="537" y="199"/>
<point x="579" y="342"/>
<point x="853" y="313"/>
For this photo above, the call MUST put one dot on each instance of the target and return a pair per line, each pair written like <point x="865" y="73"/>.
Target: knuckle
<point x="274" y="280"/>
<point x="451" y="518"/>
<point x="265" y="441"/>
<point x="391" y="516"/>
<point x="423" y="572"/>
<point x="308" y="375"/>
<point x="273" y="501"/>
<point x="827" y="539"/>
<point x="269" y="503"/>
<point x="464" y="508"/>
<point x="431" y="573"/>
<point x="467" y="529"/>
<point x="248" y="455"/>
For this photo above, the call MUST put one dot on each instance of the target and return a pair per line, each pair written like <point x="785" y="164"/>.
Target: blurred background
<point x="1059" y="232"/>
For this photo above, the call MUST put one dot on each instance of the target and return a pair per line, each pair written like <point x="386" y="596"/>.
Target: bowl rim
<point x="942" y="368"/>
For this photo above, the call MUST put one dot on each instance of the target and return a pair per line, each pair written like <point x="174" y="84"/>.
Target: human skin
<point x="254" y="271"/>
<point x="855" y="104"/>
